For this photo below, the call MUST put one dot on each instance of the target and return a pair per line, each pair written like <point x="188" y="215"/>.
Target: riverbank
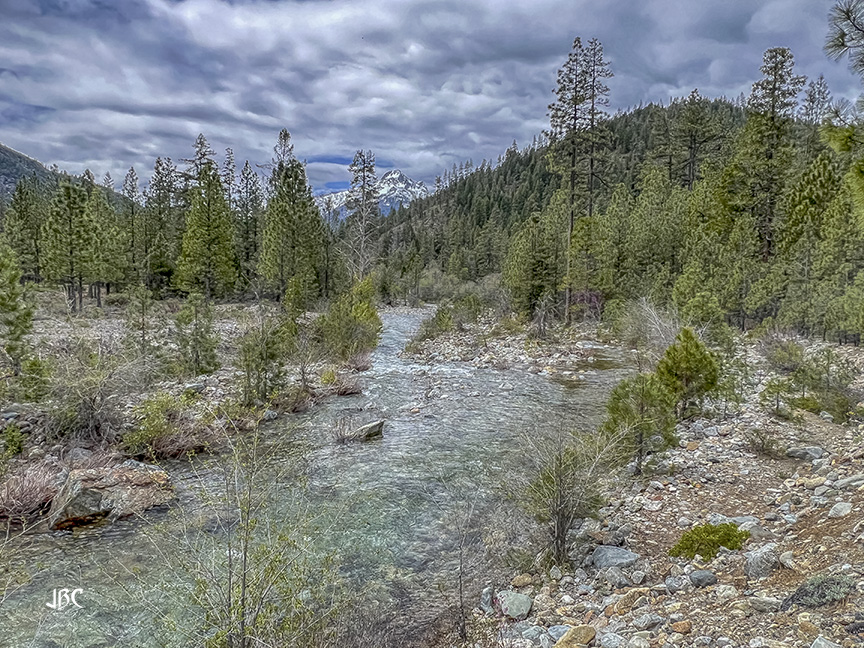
<point x="793" y="479"/>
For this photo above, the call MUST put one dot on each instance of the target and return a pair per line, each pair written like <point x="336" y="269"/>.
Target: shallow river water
<point x="391" y="501"/>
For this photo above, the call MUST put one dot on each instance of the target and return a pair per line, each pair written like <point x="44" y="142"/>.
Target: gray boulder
<point x="606" y="556"/>
<point x="558" y="631"/>
<point x="612" y="640"/>
<point x="675" y="584"/>
<point x="703" y="578"/>
<point x="486" y="602"/>
<point x="762" y="561"/>
<point x="648" y="621"/>
<point x="373" y="430"/>
<point x="764" y="603"/>
<point x="805" y="453"/>
<point x="513" y="604"/>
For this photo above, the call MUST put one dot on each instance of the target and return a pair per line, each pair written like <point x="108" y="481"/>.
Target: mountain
<point x="394" y="189"/>
<point x="14" y="165"/>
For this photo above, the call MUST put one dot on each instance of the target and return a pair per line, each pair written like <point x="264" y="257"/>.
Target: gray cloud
<point x="424" y="83"/>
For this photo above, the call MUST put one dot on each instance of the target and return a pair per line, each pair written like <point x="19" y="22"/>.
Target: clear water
<point x="392" y="501"/>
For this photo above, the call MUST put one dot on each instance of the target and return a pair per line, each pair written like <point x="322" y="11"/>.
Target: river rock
<point x="606" y="556"/>
<point x="373" y="430"/>
<point x="676" y="584"/>
<point x="612" y="640"/>
<point x="578" y="636"/>
<point x="764" y="603"/>
<point x="822" y="642"/>
<point x="854" y="482"/>
<point x="762" y="561"/>
<point x="558" y="631"/>
<point x="486" y="602"/>
<point x="95" y="493"/>
<point x="703" y="578"/>
<point x="648" y="621"/>
<point x="513" y="604"/>
<point x="806" y="453"/>
<point x="840" y="509"/>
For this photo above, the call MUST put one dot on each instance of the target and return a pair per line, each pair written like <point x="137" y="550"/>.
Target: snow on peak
<point x="394" y="189"/>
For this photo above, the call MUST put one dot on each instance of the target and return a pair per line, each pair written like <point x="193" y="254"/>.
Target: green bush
<point x="466" y="310"/>
<point x="13" y="440"/>
<point x="167" y="427"/>
<point x="351" y="325"/>
<point x="820" y="590"/>
<point x="707" y="539"/>
<point x="328" y="376"/>
<point x="689" y="370"/>
<point x="195" y="338"/>
<point x="784" y="355"/>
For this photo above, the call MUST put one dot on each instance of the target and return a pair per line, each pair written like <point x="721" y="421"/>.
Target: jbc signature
<point x="63" y="598"/>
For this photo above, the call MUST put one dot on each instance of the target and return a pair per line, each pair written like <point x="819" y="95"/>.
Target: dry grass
<point x="27" y="493"/>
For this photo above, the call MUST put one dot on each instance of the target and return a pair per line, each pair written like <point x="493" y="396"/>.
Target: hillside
<point x="13" y="166"/>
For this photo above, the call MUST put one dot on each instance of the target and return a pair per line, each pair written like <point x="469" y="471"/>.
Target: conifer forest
<point x="605" y="389"/>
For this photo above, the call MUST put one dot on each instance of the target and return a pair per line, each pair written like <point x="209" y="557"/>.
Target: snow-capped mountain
<point x="394" y="188"/>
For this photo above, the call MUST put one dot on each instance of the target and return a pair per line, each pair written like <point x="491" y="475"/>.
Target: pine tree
<point x="69" y="241"/>
<point x="16" y="314"/>
<point x="107" y="264"/>
<point x="248" y="215"/>
<point x="139" y="320"/>
<point x="161" y="225"/>
<point x="131" y="224"/>
<point x="23" y="226"/>
<point x="195" y="338"/>
<point x="291" y="236"/>
<point x="846" y="33"/>
<point x="641" y="409"/>
<point x="688" y="370"/>
<point x="207" y="258"/>
<point x="696" y="130"/>
<point x="363" y="214"/>
<point x="568" y="119"/>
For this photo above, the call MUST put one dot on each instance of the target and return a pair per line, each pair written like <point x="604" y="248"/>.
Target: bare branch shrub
<point x="27" y="492"/>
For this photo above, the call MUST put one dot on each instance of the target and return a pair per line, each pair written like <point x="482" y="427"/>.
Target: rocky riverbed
<point x="801" y="498"/>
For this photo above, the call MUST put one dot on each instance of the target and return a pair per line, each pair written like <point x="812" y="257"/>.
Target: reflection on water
<point x="386" y="509"/>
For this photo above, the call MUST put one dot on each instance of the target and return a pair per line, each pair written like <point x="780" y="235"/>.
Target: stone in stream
<point x="373" y="430"/>
<point x="513" y="604"/>
<point x="92" y="494"/>
<point x="606" y="556"/>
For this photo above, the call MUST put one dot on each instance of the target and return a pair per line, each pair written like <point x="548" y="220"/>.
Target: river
<point x="452" y="437"/>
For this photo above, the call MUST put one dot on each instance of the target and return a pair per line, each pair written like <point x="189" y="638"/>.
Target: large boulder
<point x="373" y="430"/>
<point x="807" y="453"/>
<point x="606" y="556"/>
<point x="762" y="561"/>
<point x="92" y="494"/>
<point x="513" y="604"/>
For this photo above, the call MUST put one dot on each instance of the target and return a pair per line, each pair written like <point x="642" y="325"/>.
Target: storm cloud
<point x="425" y="84"/>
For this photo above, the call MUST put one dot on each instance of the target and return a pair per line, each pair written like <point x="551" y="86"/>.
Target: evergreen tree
<point x="846" y="33"/>
<point x="22" y="226"/>
<point x="641" y="410"/>
<point x="688" y="370"/>
<point x="362" y="214"/>
<point x="161" y="224"/>
<point x="292" y="232"/>
<point x="16" y="314"/>
<point x="248" y="216"/>
<point x="132" y="225"/>
<point x="696" y="130"/>
<point x="195" y="337"/>
<point x="207" y="258"/>
<point x="107" y="264"/>
<point x="69" y="242"/>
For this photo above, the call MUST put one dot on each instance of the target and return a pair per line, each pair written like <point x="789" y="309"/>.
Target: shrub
<point x="784" y="355"/>
<point x="13" y="440"/>
<point x="707" y="539"/>
<point x="821" y="590"/>
<point x="762" y="442"/>
<point x="167" y="428"/>
<point x="195" y="338"/>
<point x="264" y="348"/>
<point x="328" y="376"/>
<point x="641" y="411"/>
<point x="688" y="369"/>
<point x="351" y="325"/>
<point x="28" y="492"/>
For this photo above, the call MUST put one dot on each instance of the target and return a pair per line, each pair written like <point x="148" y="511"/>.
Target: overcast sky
<point x="107" y="84"/>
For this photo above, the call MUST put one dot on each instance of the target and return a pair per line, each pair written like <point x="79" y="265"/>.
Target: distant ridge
<point x="15" y="165"/>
